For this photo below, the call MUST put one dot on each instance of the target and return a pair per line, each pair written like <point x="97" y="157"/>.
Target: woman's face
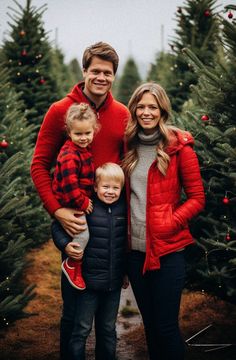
<point x="148" y="113"/>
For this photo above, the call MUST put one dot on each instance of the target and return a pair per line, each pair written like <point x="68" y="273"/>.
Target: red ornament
<point x="4" y="144"/>
<point x="23" y="52"/>
<point x="207" y="13"/>
<point x="42" y="81"/>
<point x="22" y="33"/>
<point x="205" y="117"/>
<point x="228" y="238"/>
<point x="230" y="15"/>
<point x="225" y="200"/>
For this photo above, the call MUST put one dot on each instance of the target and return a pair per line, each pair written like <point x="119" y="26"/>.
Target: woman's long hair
<point x="164" y="130"/>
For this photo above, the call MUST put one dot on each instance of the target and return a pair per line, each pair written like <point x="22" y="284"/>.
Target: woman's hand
<point x="70" y="220"/>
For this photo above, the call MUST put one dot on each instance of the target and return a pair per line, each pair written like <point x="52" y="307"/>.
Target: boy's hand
<point x="70" y="220"/>
<point x="73" y="250"/>
<point x="90" y="207"/>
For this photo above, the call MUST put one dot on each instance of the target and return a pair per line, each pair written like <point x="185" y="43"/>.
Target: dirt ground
<point x="37" y="337"/>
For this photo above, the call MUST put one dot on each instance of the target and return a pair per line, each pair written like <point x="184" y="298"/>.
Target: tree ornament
<point x="207" y="13"/>
<point x="23" y="52"/>
<point x="22" y="33"/>
<point x="179" y="10"/>
<point x="225" y="200"/>
<point x="205" y="117"/>
<point x="4" y="144"/>
<point x="227" y="237"/>
<point x="230" y="14"/>
<point x="42" y="81"/>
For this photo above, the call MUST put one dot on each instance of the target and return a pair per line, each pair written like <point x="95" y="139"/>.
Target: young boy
<point x="103" y="264"/>
<point x="73" y="178"/>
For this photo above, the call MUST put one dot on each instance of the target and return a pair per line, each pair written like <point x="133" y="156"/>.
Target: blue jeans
<point x="158" y="295"/>
<point x="101" y="306"/>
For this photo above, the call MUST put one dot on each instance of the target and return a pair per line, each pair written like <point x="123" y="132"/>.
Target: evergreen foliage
<point x="128" y="81"/>
<point x="212" y="121"/>
<point x="76" y="71"/>
<point x="62" y="73"/>
<point x="16" y="215"/>
<point x="197" y="29"/>
<point x="28" y="58"/>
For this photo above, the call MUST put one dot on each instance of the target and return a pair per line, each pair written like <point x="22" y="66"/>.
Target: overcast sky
<point x="139" y="28"/>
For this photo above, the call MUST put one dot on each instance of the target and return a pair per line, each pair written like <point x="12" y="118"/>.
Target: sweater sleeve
<point x="71" y="194"/>
<point x="49" y="142"/>
<point x="189" y="172"/>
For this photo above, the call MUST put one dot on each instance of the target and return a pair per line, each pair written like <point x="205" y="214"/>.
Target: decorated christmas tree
<point x="197" y="29"/>
<point x="28" y="58"/>
<point x="16" y="207"/>
<point x="128" y="81"/>
<point x="212" y="121"/>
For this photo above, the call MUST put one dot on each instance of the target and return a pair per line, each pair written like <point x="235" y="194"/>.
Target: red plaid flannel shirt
<point x="73" y="177"/>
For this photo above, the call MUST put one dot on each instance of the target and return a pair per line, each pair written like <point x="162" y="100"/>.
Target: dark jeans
<point x="102" y="306"/>
<point x="69" y="296"/>
<point x="158" y="295"/>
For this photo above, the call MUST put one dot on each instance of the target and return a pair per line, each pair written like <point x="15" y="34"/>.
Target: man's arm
<point x="50" y="139"/>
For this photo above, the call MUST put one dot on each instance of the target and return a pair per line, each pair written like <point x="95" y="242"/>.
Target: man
<point x="100" y="62"/>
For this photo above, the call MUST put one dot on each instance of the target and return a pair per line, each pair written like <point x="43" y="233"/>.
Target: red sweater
<point x="107" y="144"/>
<point x="73" y="177"/>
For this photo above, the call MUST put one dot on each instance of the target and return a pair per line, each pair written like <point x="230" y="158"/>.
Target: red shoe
<point x="72" y="270"/>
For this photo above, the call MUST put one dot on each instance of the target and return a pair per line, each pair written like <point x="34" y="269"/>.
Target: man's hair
<point x="80" y="112"/>
<point x="103" y="51"/>
<point x="110" y="171"/>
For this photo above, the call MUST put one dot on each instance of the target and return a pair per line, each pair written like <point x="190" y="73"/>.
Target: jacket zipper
<point x="110" y="237"/>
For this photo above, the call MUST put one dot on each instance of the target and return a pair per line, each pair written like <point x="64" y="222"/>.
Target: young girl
<point x="73" y="178"/>
<point x="160" y="163"/>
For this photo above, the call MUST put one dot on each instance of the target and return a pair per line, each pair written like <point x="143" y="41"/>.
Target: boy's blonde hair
<point x="80" y="112"/>
<point x="111" y="171"/>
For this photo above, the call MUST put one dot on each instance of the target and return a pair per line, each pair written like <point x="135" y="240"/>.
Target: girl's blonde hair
<point x="80" y="112"/>
<point x="110" y="171"/>
<point x="164" y="129"/>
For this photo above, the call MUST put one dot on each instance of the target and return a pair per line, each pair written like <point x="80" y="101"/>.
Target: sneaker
<point x="72" y="270"/>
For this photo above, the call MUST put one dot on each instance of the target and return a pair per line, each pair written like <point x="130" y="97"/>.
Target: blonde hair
<point x="133" y="127"/>
<point x="80" y="112"/>
<point x="110" y="171"/>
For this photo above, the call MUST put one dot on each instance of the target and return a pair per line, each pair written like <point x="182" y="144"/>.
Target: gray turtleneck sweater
<point x="138" y="185"/>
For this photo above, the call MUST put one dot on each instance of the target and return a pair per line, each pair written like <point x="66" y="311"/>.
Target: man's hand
<point x="73" y="251"/>
<point x="70" y="220"/>
<point x="125" y="282"/>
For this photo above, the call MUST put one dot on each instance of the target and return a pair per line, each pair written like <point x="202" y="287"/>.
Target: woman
<point x="160" y="163"/>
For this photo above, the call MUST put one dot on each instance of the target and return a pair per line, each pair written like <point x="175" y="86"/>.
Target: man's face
<point x="98" y="78"/>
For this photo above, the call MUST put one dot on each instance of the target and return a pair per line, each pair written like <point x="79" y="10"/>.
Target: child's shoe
<point x="72" y="270"/>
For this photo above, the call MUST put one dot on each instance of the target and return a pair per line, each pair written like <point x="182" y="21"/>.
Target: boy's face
<point x="108" y="190"/>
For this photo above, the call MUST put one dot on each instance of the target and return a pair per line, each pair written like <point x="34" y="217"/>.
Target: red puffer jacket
<point x="166" y="216"/>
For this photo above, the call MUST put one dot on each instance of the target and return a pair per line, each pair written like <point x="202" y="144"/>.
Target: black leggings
<point x="158" y="295"/>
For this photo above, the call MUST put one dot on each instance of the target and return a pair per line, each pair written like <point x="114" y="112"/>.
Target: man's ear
<point x="95" y="187"/>
<point x="84" y="71"/>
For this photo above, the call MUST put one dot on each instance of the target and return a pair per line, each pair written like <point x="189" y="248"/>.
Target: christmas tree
<point x="15" y="204"/>
<point x="197" y="29"/>
<point x="28" y="58"/>
<point x="128" y="82"/>
<point x="75" y="70"/>
<point x="212" y="122"/>
<point x="62" y="73"/>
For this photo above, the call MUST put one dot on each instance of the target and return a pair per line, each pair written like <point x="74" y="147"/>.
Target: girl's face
<point x="148" y="113"/>
<point x="82" y="132"/>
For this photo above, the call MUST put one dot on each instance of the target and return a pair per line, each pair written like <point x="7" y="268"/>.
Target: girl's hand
<point x="90" y="207"/>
